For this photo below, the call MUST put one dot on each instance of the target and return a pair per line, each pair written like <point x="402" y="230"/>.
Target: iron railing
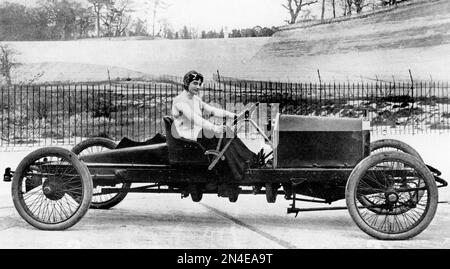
<point x="66" y="114"/>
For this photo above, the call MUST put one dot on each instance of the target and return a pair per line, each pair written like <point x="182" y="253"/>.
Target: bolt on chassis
<point x="390" y="193"/>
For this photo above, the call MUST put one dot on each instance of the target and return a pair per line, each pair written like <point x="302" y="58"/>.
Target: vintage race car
<point x="389" y="191"/>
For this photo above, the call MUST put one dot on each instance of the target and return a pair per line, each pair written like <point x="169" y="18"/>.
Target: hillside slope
<point x="381" y="46"/>
<point x="66" y="60"/>
<point x="421" y="25"/>
<point x="415" y="36"/>
<point x="60" y="72"/>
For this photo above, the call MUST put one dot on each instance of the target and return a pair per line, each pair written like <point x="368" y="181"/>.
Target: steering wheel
<point x="218" y="153"/>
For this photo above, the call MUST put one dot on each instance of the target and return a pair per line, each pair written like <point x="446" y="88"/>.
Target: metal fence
<point x="35" y="115"/>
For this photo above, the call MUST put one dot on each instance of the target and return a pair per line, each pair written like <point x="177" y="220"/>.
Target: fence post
<point x="320" y="79"/>
<point x="413" y="100"/>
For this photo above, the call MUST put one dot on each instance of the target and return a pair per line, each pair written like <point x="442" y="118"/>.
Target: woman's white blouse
<point x="188" y="120"/>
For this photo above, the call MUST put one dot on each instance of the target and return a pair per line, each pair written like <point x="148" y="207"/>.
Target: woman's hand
<point x="231" y="115"/>
<point x="220" y="130"/>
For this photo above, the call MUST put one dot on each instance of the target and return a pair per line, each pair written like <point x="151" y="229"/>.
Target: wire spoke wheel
<point x="52" y="189"/>
<point x="384" y="145"/>
<point x="391" y="195"/>
<point x="99" y="200"/>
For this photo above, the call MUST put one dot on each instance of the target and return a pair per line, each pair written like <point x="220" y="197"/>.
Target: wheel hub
<point x="52" y="191"/>
<point x="47" y="190"/>
<point x="391" y="197"/>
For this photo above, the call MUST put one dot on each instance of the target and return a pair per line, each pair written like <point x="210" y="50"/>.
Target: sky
<point x="212" y="14"/>
<point x="207" y="14"/>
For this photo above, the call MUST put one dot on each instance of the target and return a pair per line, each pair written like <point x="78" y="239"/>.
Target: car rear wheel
<point x="102" y="201"/>
<point x="389" y="183"/>
<point x="52" y="189"/>
<point x="392" y="145"/>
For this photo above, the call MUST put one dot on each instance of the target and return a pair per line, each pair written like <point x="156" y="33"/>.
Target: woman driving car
<point x="188" y="109"/>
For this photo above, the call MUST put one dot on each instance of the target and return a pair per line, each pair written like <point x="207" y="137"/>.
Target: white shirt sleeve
<point x="193" y="117"/>
<point x="217" y="112"/>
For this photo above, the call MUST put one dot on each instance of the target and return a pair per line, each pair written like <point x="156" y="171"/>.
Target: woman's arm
<point x="217" y="112"/>
<point x="195" y="118"/>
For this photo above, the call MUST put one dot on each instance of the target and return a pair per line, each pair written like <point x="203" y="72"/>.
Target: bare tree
<point x="123" y="19"/>
<point x="185" y="33"/>
<point x="333" y="4"/>
<point x="62" y="16"/>
<point x="98" y="6"/>
<point x="323" y="10"/>
<point x="359" y="5"/>
<point x="155" y="6"/>
<point x="7" y="62"/>
<point x="347" y="6"/>
<point x="390" y="2"/>
<point x="295" y="6"/>
<point x="165" y="28"/>
<point x="193" y="32"/>
<point x="116" y="18"/>
<point x="84" y="21"/>
<point x="306" y="15"/>
<point x="139" y="27"/>
<point x="108" y="18"/>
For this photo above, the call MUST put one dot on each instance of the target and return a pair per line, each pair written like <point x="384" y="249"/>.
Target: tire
<point x="391" y="144"/>
<point x="70" y="200"/>
<point x="384" y="145"/>
<point x="272" y="192"/>
<point x="195" y="192"/>
<point x="397" y="189"/>
<point x="93" y="142"/>
<point x="105" y="201"/>
<point x="233" y="198"/>
<point x="233" y="193"/>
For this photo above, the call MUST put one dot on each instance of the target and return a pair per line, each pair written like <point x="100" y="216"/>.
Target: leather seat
<point x="183" y="151"/>
<point x="128" y="143"/>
